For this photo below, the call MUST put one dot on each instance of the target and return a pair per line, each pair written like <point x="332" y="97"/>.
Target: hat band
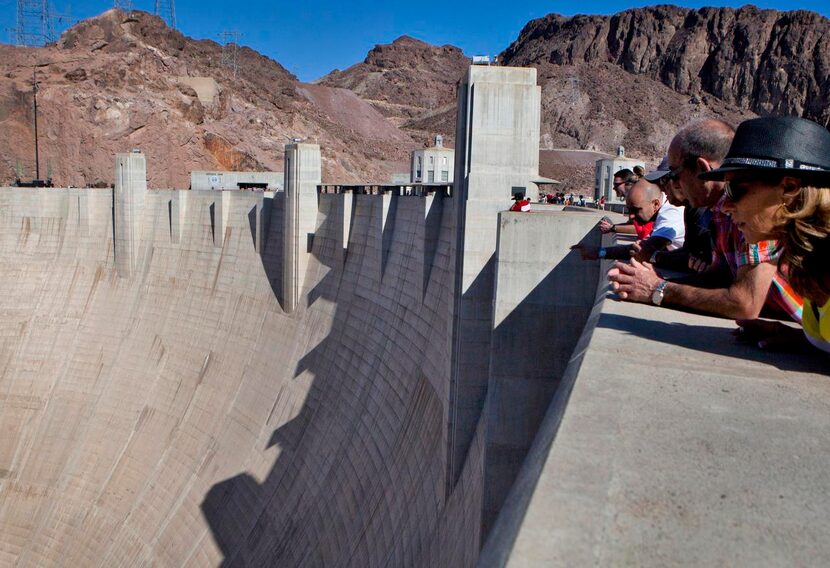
<point x="787" y="163"/>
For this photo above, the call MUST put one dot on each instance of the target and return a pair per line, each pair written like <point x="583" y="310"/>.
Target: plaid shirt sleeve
<point x="757" y="253"/>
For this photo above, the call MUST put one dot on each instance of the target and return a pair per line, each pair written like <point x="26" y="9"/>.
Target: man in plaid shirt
<point x="752" y="280"/>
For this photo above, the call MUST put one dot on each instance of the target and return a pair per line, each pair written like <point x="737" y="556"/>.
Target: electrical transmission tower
<point x="166" y="10"/>
<point x="230" y="50"/>
<point x="35" y="24"/>
<point x="123" y="5"/>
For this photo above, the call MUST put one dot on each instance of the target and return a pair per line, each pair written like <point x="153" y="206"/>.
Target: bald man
<point x="646" y="203"/>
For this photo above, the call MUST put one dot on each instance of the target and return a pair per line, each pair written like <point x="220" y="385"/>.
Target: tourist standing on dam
<point x="623" y="181"/>
<point x="743" y="278"/>
<point x="521" y="203"/>
<point x="777" y="176"/>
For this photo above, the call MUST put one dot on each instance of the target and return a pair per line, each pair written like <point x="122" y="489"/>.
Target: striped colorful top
<point x="816" y="324"/>
<point x="731" y="249"/>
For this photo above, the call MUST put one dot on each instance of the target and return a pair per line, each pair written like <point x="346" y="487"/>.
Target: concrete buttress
<point x="128" y="206"/>
<point x="497" y="150"/>
<point x="302" y="176"/>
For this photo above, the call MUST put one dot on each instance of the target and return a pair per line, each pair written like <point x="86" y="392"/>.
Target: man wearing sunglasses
<point x="739" y="284"/>
<point x="696" y="253"/>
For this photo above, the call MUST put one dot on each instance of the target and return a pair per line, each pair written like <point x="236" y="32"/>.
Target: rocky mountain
<point x="411" y="82"/>
<point x="590" y="106"/>
<point x="630" y="80"/>
<point x="121" y="81"/>
<point x="764" y="61"/>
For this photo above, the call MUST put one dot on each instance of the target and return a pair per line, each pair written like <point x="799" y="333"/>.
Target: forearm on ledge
<point x="744" y="299"/>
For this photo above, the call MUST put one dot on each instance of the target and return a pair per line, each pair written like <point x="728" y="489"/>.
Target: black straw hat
<point x="779" y="145"/>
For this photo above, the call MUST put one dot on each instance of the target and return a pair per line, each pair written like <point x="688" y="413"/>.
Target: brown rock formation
<point x="765" y="61"/>
<point x="118" y="81"/>
<point x="411" y="82"/>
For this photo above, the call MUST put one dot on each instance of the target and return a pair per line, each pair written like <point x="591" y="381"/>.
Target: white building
<point x="203" y="180"/>
<point x="433" y="165"/>
<point x="605" y="170"/>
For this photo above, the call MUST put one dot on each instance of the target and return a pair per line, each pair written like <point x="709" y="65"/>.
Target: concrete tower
<point x="497" y="153"/>
<point x="302" y="176"/>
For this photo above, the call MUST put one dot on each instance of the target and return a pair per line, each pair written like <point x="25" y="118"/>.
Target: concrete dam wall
<point x="195" y="378"/>
<point x="182" y="418"/>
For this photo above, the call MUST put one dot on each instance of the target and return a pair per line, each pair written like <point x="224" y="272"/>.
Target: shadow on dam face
<point x="359" y="477"/>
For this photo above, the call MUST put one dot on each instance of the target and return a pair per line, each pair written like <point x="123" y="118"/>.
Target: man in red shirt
<point x="521" y="203"/>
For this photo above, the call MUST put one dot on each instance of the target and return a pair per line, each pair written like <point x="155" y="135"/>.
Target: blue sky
<point x="310" y="38"/>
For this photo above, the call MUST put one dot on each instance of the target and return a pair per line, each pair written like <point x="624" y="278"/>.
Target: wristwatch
<point x="657" y="295"/>
<point x="602" y="252"/>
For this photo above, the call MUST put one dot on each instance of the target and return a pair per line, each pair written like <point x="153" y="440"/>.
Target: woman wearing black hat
<point x="778" y="174"/>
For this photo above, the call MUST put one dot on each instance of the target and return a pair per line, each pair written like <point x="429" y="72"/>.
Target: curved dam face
<point x="181" y="418"/>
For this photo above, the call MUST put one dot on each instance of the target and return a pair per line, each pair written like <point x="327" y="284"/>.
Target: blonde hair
<point x="806" y="225"/>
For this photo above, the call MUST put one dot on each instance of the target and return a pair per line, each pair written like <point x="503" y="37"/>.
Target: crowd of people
<point x="744" y="216"/>
<point x="562" y="198"/>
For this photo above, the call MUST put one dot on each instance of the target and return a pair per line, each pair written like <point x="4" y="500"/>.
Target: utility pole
<point x="36" y="23"/>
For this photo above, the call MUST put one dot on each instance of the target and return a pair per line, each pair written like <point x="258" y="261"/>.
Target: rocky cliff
<point x="121" y="81"/>
<point x="765" y="61"/>
<point x="409" y="81"/>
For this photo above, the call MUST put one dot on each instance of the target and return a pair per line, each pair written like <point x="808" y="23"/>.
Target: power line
<point x="35" y="26"/>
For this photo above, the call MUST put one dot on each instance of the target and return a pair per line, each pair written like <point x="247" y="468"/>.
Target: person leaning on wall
<point x="743" y="279"/>
<point x="777" y="175"/>
<point x="623" y="181"/>
<point x="646" y="202"/>
<point x="696" y="253"/>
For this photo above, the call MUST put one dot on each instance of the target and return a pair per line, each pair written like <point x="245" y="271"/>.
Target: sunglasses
<point x="674" y="174"/>
<point x="735" y="192"/>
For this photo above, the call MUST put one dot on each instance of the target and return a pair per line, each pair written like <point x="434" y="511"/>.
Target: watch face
<point x="657" y="297"/>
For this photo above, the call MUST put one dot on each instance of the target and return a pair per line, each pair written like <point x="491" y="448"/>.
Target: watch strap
<point x="657" y="295"/>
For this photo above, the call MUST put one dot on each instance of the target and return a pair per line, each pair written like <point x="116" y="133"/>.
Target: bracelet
<point x="613" y="228"/>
